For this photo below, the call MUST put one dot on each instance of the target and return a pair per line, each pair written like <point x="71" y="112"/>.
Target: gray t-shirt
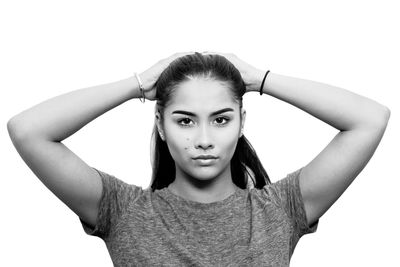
<point x="251" y="227"/>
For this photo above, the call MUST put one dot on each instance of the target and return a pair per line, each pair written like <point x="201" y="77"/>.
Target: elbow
<point x="11" y="128"/>
<point x="382" y="119"/>
<point x="385" y="116"/>
<point x="14" y="131"/>
<point x="377" y="119"/>
<point x="387" y="112"/>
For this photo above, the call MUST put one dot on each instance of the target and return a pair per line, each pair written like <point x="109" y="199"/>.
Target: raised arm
<point x="37" y="134"/>
<point x="361" y="122"/>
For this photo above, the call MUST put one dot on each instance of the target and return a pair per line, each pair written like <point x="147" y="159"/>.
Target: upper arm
<point x="329" y="174"/>
<point x="74" y="182"/>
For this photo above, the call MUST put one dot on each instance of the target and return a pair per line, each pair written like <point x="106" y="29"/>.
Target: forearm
<point x="59" y="117"/>
<point x="338" y="107"/>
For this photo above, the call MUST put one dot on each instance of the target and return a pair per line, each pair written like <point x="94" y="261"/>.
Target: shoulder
<point x="281" y="191"/>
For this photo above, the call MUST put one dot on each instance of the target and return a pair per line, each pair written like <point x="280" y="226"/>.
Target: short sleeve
<point x="289" y="194"/>
<point x="115" y="198"/>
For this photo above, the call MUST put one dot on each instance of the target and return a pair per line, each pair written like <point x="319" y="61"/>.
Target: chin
<point x="206" y="173"/>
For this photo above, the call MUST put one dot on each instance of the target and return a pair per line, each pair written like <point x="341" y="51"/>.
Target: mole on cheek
<point x="187" y="139"/>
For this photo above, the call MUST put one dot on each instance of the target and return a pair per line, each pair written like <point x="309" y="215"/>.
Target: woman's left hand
<point x="252" y="76"/>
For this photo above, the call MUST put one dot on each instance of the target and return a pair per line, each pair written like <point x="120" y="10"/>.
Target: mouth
<point x="205" y="157"/>
<point x="205" y="161"/>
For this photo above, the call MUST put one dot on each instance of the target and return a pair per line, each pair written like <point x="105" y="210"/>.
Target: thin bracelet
<point x="140" y="87"/>
<point x="262" y="84"/>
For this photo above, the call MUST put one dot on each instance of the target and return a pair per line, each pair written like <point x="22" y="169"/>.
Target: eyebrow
<point x="194" y="115"/>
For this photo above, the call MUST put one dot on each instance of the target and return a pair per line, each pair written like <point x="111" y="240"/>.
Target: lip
<point x="205" y="157"/>
<point x="205" y="162"/>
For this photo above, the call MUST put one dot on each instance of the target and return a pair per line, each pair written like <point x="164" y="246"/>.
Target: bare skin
<point x="37" y="134"/>
<point x="199" y="133"/>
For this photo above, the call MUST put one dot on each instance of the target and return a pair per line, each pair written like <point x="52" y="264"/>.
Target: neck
<point x="203" y="191"/>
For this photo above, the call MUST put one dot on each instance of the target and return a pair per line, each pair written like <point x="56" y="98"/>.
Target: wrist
<point x="267" y="83"/>
<point x="255" y="84"/>
<point x="260" y="78"/>
<point x="134" y="87"/>
<point x="263" y="85"/>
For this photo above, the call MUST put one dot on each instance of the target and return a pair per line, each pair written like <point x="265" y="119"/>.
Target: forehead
<point x="202" y="95"/>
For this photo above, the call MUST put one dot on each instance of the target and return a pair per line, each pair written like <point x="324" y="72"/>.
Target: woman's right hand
<point x="150" y="76"/>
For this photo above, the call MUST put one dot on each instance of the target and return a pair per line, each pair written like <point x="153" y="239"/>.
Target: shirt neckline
<point x="168" y="194"/>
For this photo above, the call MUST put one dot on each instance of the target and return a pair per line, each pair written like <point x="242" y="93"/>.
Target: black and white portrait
<point x="212" y="133"/>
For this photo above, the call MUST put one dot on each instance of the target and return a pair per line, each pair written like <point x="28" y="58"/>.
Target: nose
<point x="204" y="140"/>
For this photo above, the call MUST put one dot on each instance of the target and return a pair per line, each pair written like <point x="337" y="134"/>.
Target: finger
<point x="210" y="52"/>
<point x="183" y="54"/>
<point x="178" y="55"/>
<point x="227" y="55"/>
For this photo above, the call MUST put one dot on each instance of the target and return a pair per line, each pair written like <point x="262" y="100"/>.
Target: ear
<point x="243" y="121"/>
<point x="159" y="125"/>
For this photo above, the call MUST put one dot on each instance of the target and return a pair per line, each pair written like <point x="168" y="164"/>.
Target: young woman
<point x="210" y="202"/>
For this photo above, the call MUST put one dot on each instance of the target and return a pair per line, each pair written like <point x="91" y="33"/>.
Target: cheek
<point x="187" y="146"/>
<point x="229" y="145"/>
<point x="229" y="141"/>
<point x="176" y="146"/>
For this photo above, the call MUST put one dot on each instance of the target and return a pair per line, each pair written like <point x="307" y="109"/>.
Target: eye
<point x="220" y="120"/>
<point x="184" y="122"/>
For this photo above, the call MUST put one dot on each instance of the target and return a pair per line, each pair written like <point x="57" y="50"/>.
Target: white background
<point x="49" y="48"/>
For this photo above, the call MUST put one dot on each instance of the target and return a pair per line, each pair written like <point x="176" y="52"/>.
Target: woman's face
<point x="202" y="119"/>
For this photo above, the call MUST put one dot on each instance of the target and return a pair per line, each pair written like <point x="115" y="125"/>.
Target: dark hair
<point x="244" y="162"/>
